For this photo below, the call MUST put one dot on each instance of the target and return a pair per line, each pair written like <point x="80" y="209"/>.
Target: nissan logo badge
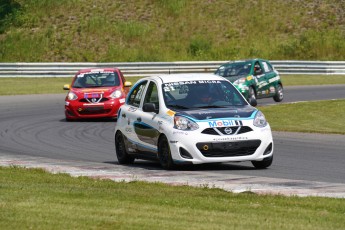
<point x="228" y="130"/>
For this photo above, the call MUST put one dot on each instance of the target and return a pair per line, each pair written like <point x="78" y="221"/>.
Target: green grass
<point x="296" y="80"/>
<point x="39" y="85"/>
<point x="170" y="30"/>
<point x="34" y="199"/>
<point x="25" y="85"/>
<point x="308" y="117"/>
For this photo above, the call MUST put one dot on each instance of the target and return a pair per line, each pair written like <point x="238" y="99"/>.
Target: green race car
<point x="254" y="78"/>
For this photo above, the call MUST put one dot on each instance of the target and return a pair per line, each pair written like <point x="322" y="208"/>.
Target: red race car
<point x="95" y="93"/>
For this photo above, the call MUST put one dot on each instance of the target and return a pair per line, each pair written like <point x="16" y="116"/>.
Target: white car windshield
<point x="201" y="94"/>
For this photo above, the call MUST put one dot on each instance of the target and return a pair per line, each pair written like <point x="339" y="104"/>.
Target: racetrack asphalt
<point x="33" y="133"/>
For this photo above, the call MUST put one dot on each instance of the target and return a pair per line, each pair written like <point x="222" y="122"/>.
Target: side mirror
<point x="150" y="107"/>
<point x="252" y="102"/>
<point x="128" y="84"/>
<point x="66" y="87"/>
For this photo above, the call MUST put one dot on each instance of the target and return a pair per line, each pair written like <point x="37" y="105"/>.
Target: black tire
<point x="164" y="154"/>
<point x="122" y="156"/>
<point x="279" y="96"/>
<point x="265" y="163"/>
<point x="252" y="97"/>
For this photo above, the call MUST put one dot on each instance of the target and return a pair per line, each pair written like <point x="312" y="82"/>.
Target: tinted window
<point x="96" y="79"/>
<point x="152" y="95"/>
<point x="234" y="69"/>
<point x="136" y="94"/>
<point x="267" y="67"/>
<point x="196" y="94"/>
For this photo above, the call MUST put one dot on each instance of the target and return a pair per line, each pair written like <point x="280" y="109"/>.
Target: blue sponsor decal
<point x="143" y="145"/>
<point x="223" y="123"/>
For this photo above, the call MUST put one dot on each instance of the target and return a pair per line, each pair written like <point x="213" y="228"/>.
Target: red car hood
<point x="105" y="91"/>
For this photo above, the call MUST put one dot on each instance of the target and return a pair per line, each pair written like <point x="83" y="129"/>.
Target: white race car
<point x="191" y="119"/>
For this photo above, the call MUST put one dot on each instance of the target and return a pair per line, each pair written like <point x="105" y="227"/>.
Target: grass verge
<point x="24" y="85"/>
<point x="310" y="117"/>
<point x="34" y="199"/>
<point x="295" y="80"/>
<point x="37" y="85"/>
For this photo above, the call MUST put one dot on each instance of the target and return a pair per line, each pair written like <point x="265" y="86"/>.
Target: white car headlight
<point x="183" y="123"/>
<point x="259" y="120"/>
<point x="72" y="96"/>
<point x="116" y="94"/>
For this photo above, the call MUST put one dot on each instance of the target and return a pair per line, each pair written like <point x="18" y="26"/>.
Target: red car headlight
<point x="72" y="96"/>
<point x="116" y="94"/>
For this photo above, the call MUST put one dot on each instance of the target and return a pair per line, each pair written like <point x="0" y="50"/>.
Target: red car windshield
<point x="96" y="79"/>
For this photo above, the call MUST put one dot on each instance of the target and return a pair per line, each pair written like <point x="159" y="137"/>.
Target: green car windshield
<point x="234" y="70"/>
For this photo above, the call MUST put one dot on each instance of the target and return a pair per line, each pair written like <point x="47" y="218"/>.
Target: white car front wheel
<point x="122" y="156"/>
<point x="265" y="163"/>
<point x="164" y="153"/>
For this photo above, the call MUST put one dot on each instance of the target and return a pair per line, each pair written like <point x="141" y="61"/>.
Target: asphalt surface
<point x="34" y="133"/>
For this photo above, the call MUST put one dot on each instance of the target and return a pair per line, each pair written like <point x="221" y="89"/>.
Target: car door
<point x="271" y="77"/>
<point x="129" y="114"/>
<point x="142" y="126"/>
<point x="146" y="124"/>
<point x="261" y="80"/>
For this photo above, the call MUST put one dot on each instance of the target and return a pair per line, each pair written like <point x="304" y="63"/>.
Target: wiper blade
<point x="178" y="106"/>
<point x="96" y="86"/>
<point x="210" y="106"/>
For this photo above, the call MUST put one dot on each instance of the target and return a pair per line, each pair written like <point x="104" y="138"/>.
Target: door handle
<point x="139" y="119"/>
<point x="123" y="115"/>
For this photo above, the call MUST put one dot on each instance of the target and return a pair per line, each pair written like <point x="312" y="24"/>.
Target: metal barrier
<point x="131" y="69"/>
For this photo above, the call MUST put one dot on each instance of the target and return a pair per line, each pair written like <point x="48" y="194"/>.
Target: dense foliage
<point x="170" y="30"/>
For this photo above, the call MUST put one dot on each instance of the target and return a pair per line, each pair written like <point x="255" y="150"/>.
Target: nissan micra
<point x="95" y="93"/>
<point x="191" y="119"/>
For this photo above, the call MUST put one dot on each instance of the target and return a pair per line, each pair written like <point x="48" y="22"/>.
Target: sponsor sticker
<point x="170" y="113"/>
<point x="179" y="83"/>
<point x="132" y="109"/>
<point x="262" y="84"/>
<point x="274" y="79"/>
<point x="180" y="132"/>
<point x="92" y="95"/>
<point x="224" y="123"/>
<point x="230" y="138"/>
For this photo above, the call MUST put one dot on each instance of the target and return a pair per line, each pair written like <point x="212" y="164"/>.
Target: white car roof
<point x="166" y="78"/>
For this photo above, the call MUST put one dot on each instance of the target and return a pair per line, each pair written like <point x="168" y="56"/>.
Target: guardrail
<point x="131" y="69"/>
